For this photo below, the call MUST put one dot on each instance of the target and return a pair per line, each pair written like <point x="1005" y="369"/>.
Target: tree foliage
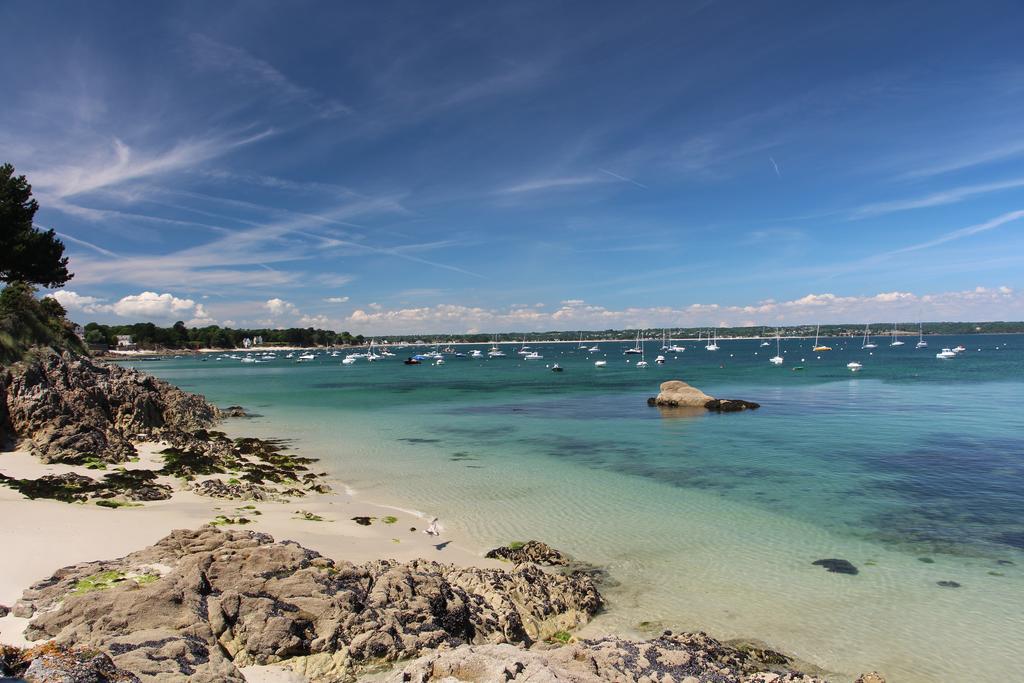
<point x="26" y="321"/>
<point x="27" y="253"/>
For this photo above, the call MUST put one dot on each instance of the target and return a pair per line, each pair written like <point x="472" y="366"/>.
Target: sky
<point x="411" y="167"/>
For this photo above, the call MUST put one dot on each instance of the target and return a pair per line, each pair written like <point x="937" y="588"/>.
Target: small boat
<point x="798" y="367"/>
<point x="642" y="363"/>
<point x="777" y="358"/>
<point x="946" y="353"/>
<point x="476" y="353"/>
<point x="713" y="343"/>
<point x="348" y="360"/>
<point x="921" y="343"/>
<point x="556" y="368"/>
<point x="533" y="355"/>
<point x="817" y="346"/>
<point x="439" y="361"/>
<point x="676" y="349"/>
<point x="895" y="337"/>
<point x="411" y="361"/>
<point x="600" y="363"/>
<point x="660" y="360"/>
<point x="637" y="349"/>
<point x="958" y="349"/>
<point x="867" y="343"/>
<point x="593" y="349"/>
<point x="854" y="366"/>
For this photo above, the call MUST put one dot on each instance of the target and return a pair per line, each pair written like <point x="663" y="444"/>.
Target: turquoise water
<point x="912" y="469"/>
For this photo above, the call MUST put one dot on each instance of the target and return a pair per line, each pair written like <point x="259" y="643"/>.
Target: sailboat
<point x="777" y="358"/>
<point x="713" y="343"/>
<point x="640" y="363"/>
<point x="673" y="347"/>
<point x="494" y="351"/>
<point x="638" y="349"/>
<point x="895" y="337"/>
<point x="921" y="343"/>
<point x="664" y="340"/>
<point x="765" y="342"/>
<point x="817" y="346"/>
<point x="868" y="344"/>
<point x="582" y="346"/>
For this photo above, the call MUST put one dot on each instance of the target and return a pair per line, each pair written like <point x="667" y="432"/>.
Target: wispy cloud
<point x="545" y="184"/>
<point x="623" y="178"/>
<point x="968" y="160"/>
<point x="98" y="249"/>
<point x="212" y="55"/>
<point x="950" y="196"/>
<point x="120" y="163"/>
<point x="968" y="231"/>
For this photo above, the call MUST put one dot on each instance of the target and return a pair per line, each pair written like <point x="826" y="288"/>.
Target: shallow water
<point x="912" y="469"/>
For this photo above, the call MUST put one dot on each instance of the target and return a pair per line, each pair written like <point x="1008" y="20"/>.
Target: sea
<point x="911" y="469"/>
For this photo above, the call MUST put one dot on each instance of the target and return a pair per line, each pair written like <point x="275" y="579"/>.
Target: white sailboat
<point x="777" y="358"/>
<point x="867" y="343"/>
<point x="581" y="346"/>
<point x="713" y="344"/>
<point x="895" y="337"/>
<point x="641" y="363"/>
<point x="637" y="349"/>
<point x="494" y="351"/>
<point x="854" y="366"/>
<point x="921" y="343"/>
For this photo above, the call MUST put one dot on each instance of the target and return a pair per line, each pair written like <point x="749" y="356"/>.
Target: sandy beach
<point x="49" y="534"/>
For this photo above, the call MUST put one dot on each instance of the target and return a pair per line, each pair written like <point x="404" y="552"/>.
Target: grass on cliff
<point x="27" y="322"/>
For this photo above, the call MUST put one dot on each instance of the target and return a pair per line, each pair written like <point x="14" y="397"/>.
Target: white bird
<point x="433" y="529"/>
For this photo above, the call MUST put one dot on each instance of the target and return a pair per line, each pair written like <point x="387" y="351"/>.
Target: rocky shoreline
<point x="204" y="604"/>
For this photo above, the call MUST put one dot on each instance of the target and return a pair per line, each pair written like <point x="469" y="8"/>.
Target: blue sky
<point x="449" y="167"/>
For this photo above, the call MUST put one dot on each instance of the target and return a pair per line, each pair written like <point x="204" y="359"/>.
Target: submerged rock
<point x="870" y="677"/>
<point x="837" y="566"/>
<point x="948" y="584"/>
<point x="691" y="658"/>
<point x="531" y="551"/>
<point x="730" y="405"/>
<point x="229" y="599"/>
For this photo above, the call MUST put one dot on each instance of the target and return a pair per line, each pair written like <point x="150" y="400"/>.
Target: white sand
<point x="38" y="537"/>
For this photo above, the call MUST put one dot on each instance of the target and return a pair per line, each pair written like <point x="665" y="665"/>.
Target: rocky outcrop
<point x="51" y="663"/>
<point x="200" y="603"/>
<point x="683" y="658"/>
<point x="72" y="410"/>
<point x="531" y="551"/>
<point x="678" y="394"/>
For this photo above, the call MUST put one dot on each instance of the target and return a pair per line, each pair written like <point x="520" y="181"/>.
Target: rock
<point x="230" y="599"/>
<point x="837" y="566"/>
<point x="730" y="405"/>
<point x="871" y="677"/>
<point x="683" y="657"/>
<point x="70" y="409"/>
<point x="531" y="551"/>
<point x="678" y="394"/>
<point x="217" y="488"/>
<point x="51" y="663"/>
<point x="948" y="584"/>
<point x="4" y="611"/>
<point x="234" y="411"/>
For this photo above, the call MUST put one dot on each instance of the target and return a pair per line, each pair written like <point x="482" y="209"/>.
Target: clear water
<point x="708" y="521"/>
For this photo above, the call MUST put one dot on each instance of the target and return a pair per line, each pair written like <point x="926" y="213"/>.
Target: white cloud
<point x="1000" y="303"/>
<point x="73" y="301"/>
<point x="551" y="184"/>
<point x="280" y="307"/>
<point x="142" y="307"/>
<point x="336" y="299"/>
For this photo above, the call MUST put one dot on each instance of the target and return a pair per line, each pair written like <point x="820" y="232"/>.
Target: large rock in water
<point x="678" y="394"/>
<point x="686" y="658"/>
<point x="200" y="603"/>
<point x="70" y="409"/>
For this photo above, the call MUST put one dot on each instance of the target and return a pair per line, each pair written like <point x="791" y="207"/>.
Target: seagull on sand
<point x="433" y="529"/>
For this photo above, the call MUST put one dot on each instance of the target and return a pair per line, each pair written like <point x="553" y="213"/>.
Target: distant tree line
<point x="180" y="336"/>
